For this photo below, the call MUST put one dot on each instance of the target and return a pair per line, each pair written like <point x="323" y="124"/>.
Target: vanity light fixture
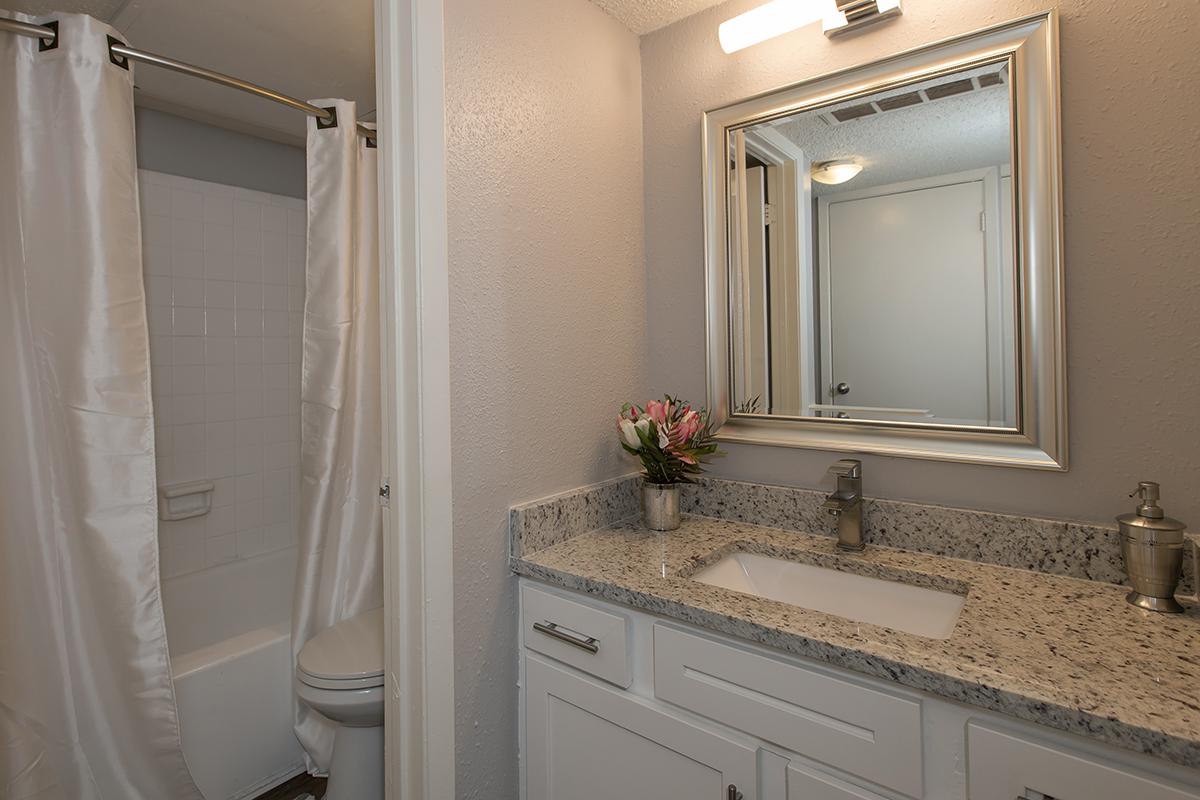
<point x="783" y="16"/>
<point x="854" y="14"/>
<point x="773" y="19"/>
<point x="835" y="172"/>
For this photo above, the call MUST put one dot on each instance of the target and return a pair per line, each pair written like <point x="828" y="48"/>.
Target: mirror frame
<point x="1039" y="440"/>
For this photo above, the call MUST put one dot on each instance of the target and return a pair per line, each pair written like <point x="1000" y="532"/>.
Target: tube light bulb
<point x="770" y="20"/>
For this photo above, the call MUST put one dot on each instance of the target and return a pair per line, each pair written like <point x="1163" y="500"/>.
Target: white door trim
<point x="418" y="565"/>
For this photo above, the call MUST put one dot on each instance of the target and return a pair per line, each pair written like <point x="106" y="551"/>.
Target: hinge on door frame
<point x="385" y="494"/>
<point x="768" y="213"/>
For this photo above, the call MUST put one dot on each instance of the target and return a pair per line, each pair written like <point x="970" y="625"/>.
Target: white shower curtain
<point x="340" y="571"/>
<point x="87" y="709"/>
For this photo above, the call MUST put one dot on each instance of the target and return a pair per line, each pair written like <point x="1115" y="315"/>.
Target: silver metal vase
<point x="660" y="506"/>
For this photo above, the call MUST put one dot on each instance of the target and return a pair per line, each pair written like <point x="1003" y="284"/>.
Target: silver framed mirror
<point x="884" y="256"/>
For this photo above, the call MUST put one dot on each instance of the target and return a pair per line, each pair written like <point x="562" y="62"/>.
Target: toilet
<point x="339" y="674"/>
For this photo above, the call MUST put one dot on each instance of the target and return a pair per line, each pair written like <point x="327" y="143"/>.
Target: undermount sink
<point x="899" y="606"/>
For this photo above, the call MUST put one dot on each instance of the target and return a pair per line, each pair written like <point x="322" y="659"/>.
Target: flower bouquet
<point x="672" y="439"/>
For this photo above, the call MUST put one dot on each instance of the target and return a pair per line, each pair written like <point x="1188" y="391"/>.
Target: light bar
<point x="773" y="19"/>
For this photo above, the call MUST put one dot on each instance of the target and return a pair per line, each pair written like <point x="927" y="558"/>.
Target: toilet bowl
<point x="339" y="674"/>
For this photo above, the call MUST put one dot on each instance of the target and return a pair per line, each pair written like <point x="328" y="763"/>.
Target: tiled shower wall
<point x="224" y="271"/>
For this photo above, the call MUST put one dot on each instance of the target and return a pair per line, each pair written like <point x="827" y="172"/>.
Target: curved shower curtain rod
<point x="121" y="54"/>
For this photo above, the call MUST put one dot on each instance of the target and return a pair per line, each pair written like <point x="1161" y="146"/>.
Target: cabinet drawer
<point x="587" y="638"/>
<point x="865" y="732"/>
<point x="1001" y="766"/>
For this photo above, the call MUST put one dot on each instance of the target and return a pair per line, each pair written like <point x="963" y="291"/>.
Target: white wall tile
<point x="224" y="270"/>
<point x="218" y="266"/>
<point x="220" y="550"/>
<point x="219" y="294"/>
<point x="275" y="350"/>
<point x="156" y="259"/>
<point x="250" y="543"/>
<point x="248" y="295"/>
<point x="218" y="239"/>
<point x="218" y="350"/>
<point x="188" y="380"/>
<point x="219" y="322"/>
<point x="188" y="350"/>
<point x="219" y="436"/>
<point x="188" y="321"/>
<point x="220" y="521"/>
<point x="218" y="210"/>
<point x="220" y="407"/>
<point x="188" y="292"/>
<point x="187" y="204"/>
<point x="274" y="218"/>
<point x="187" y="234"/>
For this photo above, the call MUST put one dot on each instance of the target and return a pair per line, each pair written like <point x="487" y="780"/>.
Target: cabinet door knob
<point x="733" y="793"/>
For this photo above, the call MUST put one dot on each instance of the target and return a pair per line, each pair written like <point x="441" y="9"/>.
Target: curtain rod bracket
<point x="49" y="43"/>
<point x="120" y="60"/>
<point x="328" y="121"/>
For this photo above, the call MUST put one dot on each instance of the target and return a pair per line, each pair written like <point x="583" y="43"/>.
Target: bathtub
<point x="229" y="632"/>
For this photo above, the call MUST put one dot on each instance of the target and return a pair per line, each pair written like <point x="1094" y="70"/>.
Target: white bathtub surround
<point x="232" y="664"/>
<point x="341" y="544"/>
<point x="224" y="271"/>
<point x="83" y="661"/>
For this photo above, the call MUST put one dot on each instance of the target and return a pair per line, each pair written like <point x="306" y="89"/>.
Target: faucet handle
<point x="847" y="468"/>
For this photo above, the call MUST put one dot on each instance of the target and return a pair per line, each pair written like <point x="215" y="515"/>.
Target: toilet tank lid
<point x="353" y="648"/>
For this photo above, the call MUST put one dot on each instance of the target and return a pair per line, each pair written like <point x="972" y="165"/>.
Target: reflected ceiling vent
<point x="854" y="112"/>
<point x="928" y="94"/>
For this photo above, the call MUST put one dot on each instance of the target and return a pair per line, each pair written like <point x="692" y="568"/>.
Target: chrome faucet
<point x="846" y="503"/>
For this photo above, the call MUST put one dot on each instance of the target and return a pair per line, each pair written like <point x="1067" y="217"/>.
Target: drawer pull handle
<point x="589" y="643"/>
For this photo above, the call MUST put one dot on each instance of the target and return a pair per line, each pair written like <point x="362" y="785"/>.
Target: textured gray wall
<point x="547" y="282"/>
<point x="1132" y="239"/>
<point x="179" y="146"/>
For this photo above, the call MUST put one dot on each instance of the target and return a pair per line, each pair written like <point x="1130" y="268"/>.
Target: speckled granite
<point x="539" y="524"/>
<point x="1054" y="650"/>
<point x="1057" y="547"/>
<point x="1074" y="549"/>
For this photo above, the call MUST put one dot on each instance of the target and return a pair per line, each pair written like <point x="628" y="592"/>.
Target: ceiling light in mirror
<point x="773" y="19"/>
<point x="835" y="172"/>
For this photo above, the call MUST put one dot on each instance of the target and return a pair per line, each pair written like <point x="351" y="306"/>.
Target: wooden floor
<point x="296" y="787"/>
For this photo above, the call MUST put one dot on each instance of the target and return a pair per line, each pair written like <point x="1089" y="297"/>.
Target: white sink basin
<point x="899" y="606"/>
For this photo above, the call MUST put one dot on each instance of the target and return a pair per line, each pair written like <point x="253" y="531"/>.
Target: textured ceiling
<point x="308" y="49"/>
<point x="643" y="16"/>
<point x="954" y="134"/>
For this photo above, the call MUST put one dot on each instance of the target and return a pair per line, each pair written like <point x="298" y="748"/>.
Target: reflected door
<point x="904" y="274"/>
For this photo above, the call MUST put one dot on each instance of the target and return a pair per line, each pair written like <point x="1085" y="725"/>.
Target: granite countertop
<point x="1063" y="652"/>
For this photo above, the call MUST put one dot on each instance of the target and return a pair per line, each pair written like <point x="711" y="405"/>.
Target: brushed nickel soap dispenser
<point x="1152" y="545"/>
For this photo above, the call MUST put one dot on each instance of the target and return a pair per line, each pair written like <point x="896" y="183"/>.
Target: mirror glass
<point x="871" y="267"/>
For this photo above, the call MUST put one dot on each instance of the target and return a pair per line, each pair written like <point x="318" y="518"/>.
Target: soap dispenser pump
<point x="1152" y="545"/>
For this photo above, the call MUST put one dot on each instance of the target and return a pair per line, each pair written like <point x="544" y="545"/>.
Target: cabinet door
<point x="584" y="741"/>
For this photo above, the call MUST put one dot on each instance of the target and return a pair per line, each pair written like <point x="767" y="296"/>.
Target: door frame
<point x="992" y="274"/>
<point x="792" y="330"/>
<point x="414" y="297"/>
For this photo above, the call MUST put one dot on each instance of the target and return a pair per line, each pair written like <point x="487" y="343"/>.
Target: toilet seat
<point x="347" y="656"/>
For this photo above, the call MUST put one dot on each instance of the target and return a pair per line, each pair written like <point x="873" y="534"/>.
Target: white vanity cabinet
<point x="617" y="703"/>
